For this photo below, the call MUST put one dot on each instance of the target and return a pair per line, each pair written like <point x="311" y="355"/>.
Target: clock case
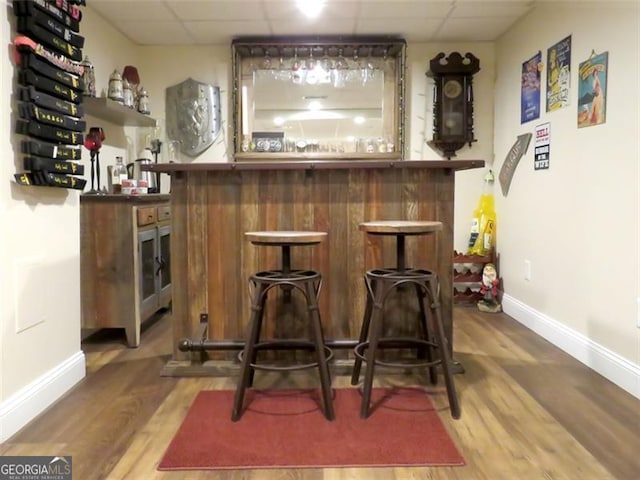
<point x="452" y="101"/>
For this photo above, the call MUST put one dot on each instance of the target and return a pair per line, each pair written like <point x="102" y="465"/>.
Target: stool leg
<point x="249" y="352"/>
<point x="364" y="331"/>
<point x="375" y="332"/>
<point x="262" y="300"/>
<point x="425" y="352"/>
<point x="443" y="349"/>
<point x="323" y="367"/>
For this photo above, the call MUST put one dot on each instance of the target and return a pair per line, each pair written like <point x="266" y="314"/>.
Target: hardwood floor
<point x="529" y="412"/>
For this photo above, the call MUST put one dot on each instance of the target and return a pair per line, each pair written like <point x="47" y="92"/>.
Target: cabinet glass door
<point x="147" y="253"/>
<point x="164" y="269"/>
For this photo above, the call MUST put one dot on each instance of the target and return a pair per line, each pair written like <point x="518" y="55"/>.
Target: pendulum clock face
<point x="452" y="107"/>
<point x="453" y="101"/>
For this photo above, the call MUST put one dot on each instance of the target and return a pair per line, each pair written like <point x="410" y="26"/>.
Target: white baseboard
<point x="23" y="406"/>
<point x="610" y="365"/>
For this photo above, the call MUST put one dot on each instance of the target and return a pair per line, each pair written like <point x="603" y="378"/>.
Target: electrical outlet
<point x="527" y="270"/>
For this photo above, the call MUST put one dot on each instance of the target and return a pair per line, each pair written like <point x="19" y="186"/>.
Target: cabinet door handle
<point x="161" y="264"/>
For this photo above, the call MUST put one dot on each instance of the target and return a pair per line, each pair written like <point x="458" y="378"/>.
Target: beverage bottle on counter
<point x="483" y="225"/>
<point x="118" y="174"/>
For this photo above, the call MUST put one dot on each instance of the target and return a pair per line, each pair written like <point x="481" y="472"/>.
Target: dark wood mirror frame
<point x="378" y="63"/>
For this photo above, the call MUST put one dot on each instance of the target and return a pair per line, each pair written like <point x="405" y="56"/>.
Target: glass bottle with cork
<point x="118" y="174"/>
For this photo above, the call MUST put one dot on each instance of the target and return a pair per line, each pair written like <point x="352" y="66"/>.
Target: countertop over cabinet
<point x="213" y="204"/>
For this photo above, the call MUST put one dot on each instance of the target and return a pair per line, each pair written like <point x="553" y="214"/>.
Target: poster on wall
<point x="558" y="74"/>
<point x="530" y="89"/>
<point x="592" y="90"/>
<point x="542" y="147"/>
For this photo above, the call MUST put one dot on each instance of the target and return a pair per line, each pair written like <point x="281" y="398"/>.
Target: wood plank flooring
<point x="529" y="412"/>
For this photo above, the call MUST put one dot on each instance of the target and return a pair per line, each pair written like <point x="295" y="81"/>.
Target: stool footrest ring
<point x="286" y="344"/>
<point x="399" y="342"/>
<point x="280" y="276"/>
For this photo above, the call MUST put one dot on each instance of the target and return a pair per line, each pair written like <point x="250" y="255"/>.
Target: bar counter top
<point x="314" y="165"/>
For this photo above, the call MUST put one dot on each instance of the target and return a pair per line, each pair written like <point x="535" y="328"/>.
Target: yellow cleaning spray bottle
<point x="483" y="225"/>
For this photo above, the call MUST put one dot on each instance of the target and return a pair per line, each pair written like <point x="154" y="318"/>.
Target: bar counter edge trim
<point x="313" y="165"/>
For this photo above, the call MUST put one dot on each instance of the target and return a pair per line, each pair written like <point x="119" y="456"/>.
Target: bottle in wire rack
<point x="118" y="174"/>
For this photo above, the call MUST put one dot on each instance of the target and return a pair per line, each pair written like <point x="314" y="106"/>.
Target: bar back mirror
<point x="325" y="98"/>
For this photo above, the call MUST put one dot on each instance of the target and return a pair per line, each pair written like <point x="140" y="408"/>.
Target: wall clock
<point x="452" y="101"/>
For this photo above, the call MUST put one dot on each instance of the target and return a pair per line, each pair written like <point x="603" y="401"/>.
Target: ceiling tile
<point x="318" y="27"/>
<point x="415" y="9"/>
<point x="414" y="29"/>
<point x="217" y="10"/>
<point x="220" y="33"/>
<point x="489" y="9"/>
<point x="147" y="11"/>
<point x="278" y="10"/>
<point x="470" y="29"/>
<point x="147" y="33"/>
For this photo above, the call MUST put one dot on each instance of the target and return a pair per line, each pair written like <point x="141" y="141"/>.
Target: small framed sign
<point x="541" y="148"/>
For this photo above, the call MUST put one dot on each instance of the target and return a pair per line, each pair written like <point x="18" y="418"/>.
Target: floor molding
<point x="609" y="364"/>
<point x="23" y="406"/>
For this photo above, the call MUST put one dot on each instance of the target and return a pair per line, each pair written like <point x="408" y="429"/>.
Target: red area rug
<point x="286" y="429"/>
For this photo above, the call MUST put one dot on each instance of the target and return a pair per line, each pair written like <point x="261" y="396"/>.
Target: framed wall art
<point x="592" y="90"/>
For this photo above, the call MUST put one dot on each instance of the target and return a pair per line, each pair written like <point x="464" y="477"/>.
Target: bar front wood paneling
<point x="214" y="204"/>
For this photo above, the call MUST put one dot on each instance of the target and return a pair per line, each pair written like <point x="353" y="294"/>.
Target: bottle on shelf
<point x="127" y="94"/>
<point x="116" y="92"/>
<point x="143" y="101"/>
<point x="482" y="239"/>
<point x="88" y="78"/>
<point x="118" y="174"/>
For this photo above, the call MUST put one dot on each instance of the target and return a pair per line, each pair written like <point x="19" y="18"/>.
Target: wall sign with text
<point x="541" y="147"/>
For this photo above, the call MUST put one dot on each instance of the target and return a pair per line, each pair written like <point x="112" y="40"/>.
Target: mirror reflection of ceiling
<point x="330" y="89"/>
<point x="335" y="104"/>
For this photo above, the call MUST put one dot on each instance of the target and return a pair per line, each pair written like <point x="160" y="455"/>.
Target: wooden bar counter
<point x="213" y="205"/>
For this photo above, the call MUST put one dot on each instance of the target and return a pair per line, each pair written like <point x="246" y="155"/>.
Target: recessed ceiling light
<point x="359" y="120"/>
<point x="310" y="8"/>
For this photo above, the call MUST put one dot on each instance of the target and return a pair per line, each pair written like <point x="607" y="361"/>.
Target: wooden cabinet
<point x="124" y="260"/>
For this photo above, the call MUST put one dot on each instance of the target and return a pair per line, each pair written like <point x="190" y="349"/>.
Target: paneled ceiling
<point x="217" y="22"/>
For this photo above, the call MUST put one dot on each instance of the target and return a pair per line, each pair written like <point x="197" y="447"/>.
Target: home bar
<point x="318" y="145"/>
<point x="214" y="204"/>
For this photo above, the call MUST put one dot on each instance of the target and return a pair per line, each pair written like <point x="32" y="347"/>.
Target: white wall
<point x="108" y="50"/>
<point x="40" y="354"/>
<point x="577" y="222"/>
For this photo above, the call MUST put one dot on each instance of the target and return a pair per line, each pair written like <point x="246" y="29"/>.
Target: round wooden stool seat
<point x="284" y="237"/>
<point x="401" y="227"/>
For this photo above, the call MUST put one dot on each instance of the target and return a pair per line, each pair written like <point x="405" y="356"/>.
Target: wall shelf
<point x="106" y="109"/>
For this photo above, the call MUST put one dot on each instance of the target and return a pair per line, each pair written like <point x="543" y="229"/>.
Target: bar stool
<point x="308" y="282"/>
<point x="380" y="283"/>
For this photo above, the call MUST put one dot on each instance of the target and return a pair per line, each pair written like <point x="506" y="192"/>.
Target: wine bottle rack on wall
<point x="48" y="54"/>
